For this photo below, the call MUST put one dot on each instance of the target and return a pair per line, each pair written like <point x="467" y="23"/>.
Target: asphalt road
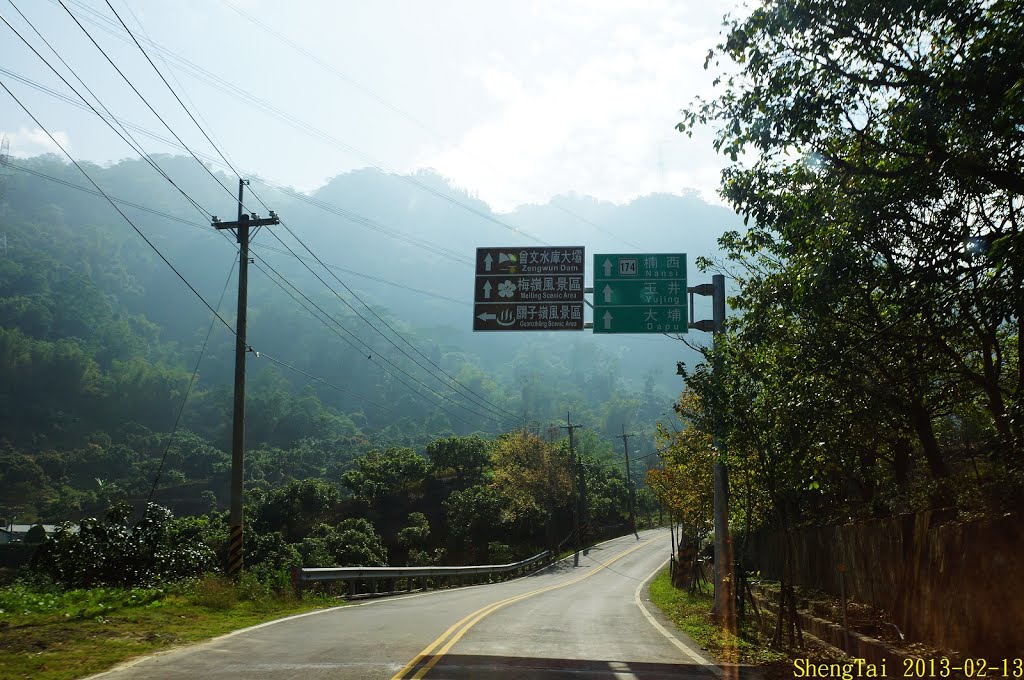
<point x="591" y="621"/>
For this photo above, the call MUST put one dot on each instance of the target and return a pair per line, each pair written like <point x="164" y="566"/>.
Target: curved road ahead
<point x="591" y="621"/>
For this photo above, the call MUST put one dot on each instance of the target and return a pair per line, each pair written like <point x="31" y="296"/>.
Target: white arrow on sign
<point x="607" y="320"/>
<point x="487" y="289"/>
<point x="486" y="317"/>
<point x="607" y="293"/>
<point x="607" y="267"/>
<point x="487" y="262"/>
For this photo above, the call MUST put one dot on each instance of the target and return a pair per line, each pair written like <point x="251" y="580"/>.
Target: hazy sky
<point x="515" y="101"/>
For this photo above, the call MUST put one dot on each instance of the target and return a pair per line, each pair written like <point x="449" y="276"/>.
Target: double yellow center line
<point x="429" y="657"/>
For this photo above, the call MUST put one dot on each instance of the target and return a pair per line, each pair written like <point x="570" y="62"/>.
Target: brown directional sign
<point x="528" y="289"/>
<point x="539" y="288"/>
<point x="564" y="316"/>
<point x="519" y="260"/>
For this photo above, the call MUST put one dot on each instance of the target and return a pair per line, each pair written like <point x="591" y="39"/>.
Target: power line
<point x="188" y="390"/>
<point x="369" y="348"/>
<point x="133" y="143"/>
<point x="326" y="206"/>
<point x="401" y="112"/>
<point x="263" y="355"/>
<point x="353" y="309"/>
<point x="114" y="205"/>
<point x="207" y="170"/>
<point x="233" y="90"/>
<point x="494" y="407"/>
<point x="144" y="100"/>
<point x="210" y="232"/>
<point x="182" y="104"/>
<point x="132" y="36"/>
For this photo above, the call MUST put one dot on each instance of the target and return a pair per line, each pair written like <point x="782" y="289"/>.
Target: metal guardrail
<point x="438" y="576"/>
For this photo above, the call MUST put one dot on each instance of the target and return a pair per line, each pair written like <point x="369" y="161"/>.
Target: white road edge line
<point x="197" y="645"/>
<point x="661" y="629"/>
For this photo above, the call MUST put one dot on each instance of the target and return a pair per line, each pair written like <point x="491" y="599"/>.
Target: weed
<point x="214" y="592"/>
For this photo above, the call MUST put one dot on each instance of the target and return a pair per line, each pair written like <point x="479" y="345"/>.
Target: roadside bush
<point x="112" y="552"/>
<point x="268" y="555"/>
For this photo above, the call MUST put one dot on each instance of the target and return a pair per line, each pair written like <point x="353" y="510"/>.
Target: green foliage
<point x="269" y="555"/>
<point x="350" y="543"/>
<point x="873" y="366"/>
<point x="467" y="457"/>
<point x="23" y="598"/>
<point x="383" y="474"/>
<point x="296" y="508"/>
<point x="416" y="534"/>
<point x="113" y="552"/>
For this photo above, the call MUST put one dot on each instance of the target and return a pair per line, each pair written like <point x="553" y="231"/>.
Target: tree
<point x="382" y="474"/>
<point x="296" y="508"/>
<point x="467" y="457"/>
<point x="876" y="160"/>
<point x="351" y="543"/>
<point x="532" y="477"/>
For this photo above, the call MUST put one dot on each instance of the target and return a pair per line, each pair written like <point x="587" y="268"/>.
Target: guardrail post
<point x="297" y="581"/>
<point x="351" y="588"/>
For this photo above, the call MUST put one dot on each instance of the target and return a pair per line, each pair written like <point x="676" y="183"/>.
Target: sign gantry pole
<point x="724" y="606"/>
<point x="241" y="229"/>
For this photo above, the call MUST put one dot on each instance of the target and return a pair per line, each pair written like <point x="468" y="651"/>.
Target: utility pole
<point x="579" y="512"/>
<point x="241" y="229"/>
<point x="724" y="607"/>
<point x="629" y="481"/>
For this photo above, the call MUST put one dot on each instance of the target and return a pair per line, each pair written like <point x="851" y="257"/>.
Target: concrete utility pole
<point x="241" y="228"/>
<point x="629" y="481"/>
<point x="580" y="511"/>
<point x="724" y="607"/>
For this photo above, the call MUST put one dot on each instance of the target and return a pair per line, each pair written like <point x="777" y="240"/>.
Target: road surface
<point x="591" y="621"/>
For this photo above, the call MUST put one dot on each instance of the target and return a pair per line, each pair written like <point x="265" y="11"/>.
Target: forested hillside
<point x="98" y="338"/>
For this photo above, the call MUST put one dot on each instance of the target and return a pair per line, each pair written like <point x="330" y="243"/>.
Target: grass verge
<point x="49" y="635"/>
<point x="692" y="614"/>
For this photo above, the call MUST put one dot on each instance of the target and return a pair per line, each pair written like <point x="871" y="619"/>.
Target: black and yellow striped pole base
<point x="235" y="551"/>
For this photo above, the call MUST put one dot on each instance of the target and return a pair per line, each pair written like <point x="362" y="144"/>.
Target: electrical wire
<point x="178" y="138"/>
<point x="370" y="349"/>
<point x="320" y="204"/>
<point x="401" y="112"/>
<point x="100" y="192"/>
<point x="159" y="117"/>
<point x="114" y="205"/>
<point x="211" y="231"/>
<point x="133" y="143"/>
<point x="146" y="101"/>
<point x="188" y="390"/>
<point x="253" y="101"/>
<point x="508" y="415"/>
<point x="480" y="400"/>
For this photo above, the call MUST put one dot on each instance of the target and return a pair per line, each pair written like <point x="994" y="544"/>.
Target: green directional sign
<point x="640" y="293"/>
